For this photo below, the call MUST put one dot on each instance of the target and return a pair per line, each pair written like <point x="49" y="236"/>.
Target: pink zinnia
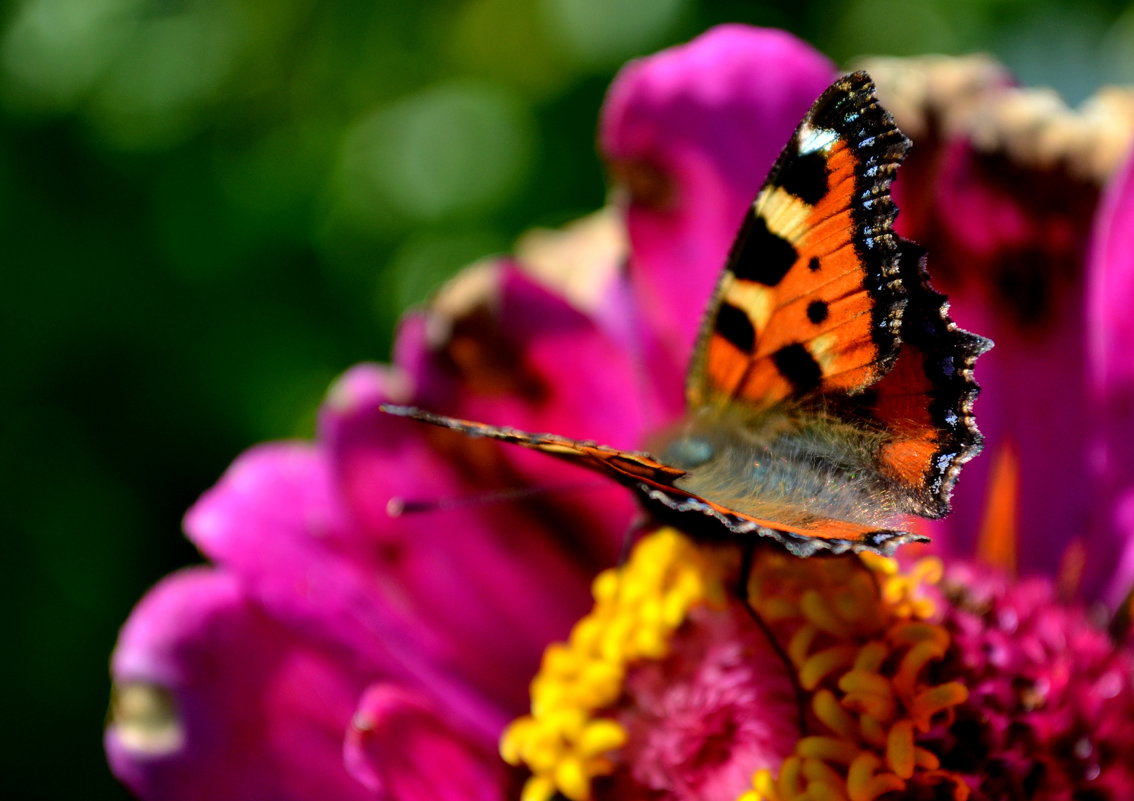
<point x="332" y="650"/>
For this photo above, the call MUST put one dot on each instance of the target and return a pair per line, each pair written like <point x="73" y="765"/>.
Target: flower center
<point x="859" y="632"/>
<point x="567" y="741"/>
<point x="668" y="690"/>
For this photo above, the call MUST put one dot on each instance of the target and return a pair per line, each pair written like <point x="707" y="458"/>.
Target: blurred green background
<point x="210" y="208"/>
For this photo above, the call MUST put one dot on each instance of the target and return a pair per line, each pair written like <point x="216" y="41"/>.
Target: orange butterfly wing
<point x="810" y="299"/>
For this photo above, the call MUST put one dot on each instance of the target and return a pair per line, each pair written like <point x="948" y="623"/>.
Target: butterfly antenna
<point x="398" y="506"/>
<point x="747" y="555"/>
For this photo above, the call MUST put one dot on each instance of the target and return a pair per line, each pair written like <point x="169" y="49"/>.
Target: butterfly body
<point x="829" y="392"/>
<point x="784" y="464"/>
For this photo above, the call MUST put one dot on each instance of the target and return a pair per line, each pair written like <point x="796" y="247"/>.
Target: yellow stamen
<point x="870" y="693"/>
<point x="827" y="748"/>
<point x="937" y="699"/>
<point x="858" y="631"/>
<point x="763" y="783"/>
<point x="926" y="759"/>
<point x="538" y="788"/>
<point x="832" y="715"/>
<point x="566" y="741"/>
<point x="872" y="731"/>
<point x="871" y="656"/>
<point x="865" y="781"/>
<point x="910" y="633"/>
<point x="900" y="749"/>
<point x="910" y="667"/>
<point x="818" y="666"/>
<point x="820" y="614"/>
<point x="818" y="772"/>
<point x="600" y="736"/>
<point x="801" y="643"/>
<point x="572" y="780"/>
<point x="791" y="780"/>
<point x="864" y="644"/>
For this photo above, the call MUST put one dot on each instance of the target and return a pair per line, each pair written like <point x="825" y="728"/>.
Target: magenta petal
<point x="692" y="132"/>
<point x="523" y="357"/>
<point x="1110" y="302"/>
<point x="404" y="750"/>
<point x="1040" y="424"/>
<point x="597" y="386"/>
<point x="1011" y="262"/>
<point x="505" y="558"/>
<point x="1111" y="289"/>
<point x="276" y="521"/>
<point x="487" y="585"/>
<point x="213" y="699"/>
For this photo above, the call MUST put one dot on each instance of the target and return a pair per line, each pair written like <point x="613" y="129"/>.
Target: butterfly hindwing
<point x="810" y="299"/>
<point x="800" y="538"/>
<point x="925" y="401"/>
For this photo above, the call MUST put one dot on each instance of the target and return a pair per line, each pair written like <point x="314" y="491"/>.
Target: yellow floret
<point x="862" y="642"/>
<point x="858" y="631"/>
<point x="567" y="741"/>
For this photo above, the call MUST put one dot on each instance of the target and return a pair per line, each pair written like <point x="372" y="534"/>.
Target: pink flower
<point x="332" y="650"/>
<point x="972" y="687"/>
<point x="324" y="625"/>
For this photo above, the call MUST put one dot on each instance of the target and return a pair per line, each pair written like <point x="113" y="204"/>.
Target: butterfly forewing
<point x="810" y="299"/>
<point x="653" y="480"/>
<point x="626" y="467"/>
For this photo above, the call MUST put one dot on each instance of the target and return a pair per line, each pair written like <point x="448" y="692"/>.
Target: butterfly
<point x="829" y="392"/>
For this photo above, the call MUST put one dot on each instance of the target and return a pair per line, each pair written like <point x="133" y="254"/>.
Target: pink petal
<point x="1033" y="408"/>
<point x="1110" y="301"/>
<point x="520" y="353"/>
<point x="404" y="750"/>
<point x="1007" y="244"/>
<point x="522" y="356"/>
<point x="275" y="521"/>
<point x="478" y="570"/>
<point x="1112" y="289"/>
<point x="692" y="132"/>
<point x="485" y="585"/>
<point x="215" y="700"/>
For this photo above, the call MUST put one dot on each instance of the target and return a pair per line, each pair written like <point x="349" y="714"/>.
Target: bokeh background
<point x="210" y="208"/>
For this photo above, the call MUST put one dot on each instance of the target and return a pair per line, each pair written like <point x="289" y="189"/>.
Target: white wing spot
<point x="812" y="139"/>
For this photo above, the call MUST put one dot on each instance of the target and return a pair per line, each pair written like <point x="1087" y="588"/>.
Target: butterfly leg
<point x="747" y="556"/>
